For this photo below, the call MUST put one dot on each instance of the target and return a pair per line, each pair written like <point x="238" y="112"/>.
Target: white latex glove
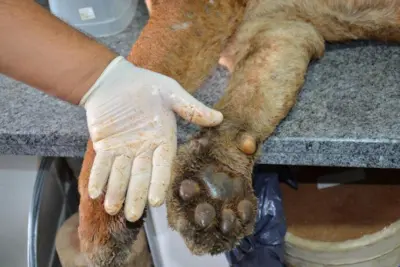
<point x="131" y="121"/>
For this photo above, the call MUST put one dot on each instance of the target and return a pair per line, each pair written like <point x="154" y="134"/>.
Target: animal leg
<point x="211" y="201"/>
<point x="183" y="40"/>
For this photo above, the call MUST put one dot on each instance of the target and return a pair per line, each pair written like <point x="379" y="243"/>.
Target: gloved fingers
<point x="136" y="197"/>
<point x="99" y="173"/>
<point x="161" y="174"/>
<point x="118" y="184"/>
<point x="193" y="110"/>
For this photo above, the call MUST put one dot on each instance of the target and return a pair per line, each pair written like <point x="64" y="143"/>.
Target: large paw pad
<point x="211" y="205"/>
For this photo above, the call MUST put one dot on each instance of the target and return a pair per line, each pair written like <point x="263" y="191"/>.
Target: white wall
<point x="17" y="178"/>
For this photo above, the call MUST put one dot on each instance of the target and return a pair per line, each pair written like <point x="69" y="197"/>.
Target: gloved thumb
<point x="192" y="110"/>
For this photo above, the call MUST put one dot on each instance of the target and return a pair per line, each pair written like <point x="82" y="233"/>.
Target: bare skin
<point x="60" y="61"/>
<point x="268" y="50"/>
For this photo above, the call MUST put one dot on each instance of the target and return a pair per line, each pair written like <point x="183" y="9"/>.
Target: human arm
<point x="129" y="109"/>
<point x="44" y="52"/>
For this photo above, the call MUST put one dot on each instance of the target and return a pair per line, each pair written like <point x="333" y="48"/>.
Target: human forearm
<point x="40" y="50"/>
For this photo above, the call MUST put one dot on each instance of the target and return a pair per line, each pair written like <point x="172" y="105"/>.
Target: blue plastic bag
<point x="265" y="247"/>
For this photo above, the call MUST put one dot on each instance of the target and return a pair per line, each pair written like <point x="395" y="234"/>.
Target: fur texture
<point x="267" y="45"/>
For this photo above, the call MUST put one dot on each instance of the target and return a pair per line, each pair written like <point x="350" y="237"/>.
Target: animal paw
<point x="211" y="201"/>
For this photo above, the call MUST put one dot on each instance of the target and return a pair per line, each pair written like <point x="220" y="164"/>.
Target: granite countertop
<point x="347" y="113"/>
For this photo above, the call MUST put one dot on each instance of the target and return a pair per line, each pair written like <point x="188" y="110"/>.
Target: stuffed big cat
<point x="267" y="46"/>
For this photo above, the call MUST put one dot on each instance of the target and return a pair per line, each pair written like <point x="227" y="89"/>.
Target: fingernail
<point x="94" y="193"/>
<point x="132" y="217"/>
<point x="219" y="116"/>
<point x="216" y="117"/>
<point x="112" y="209"/>
<point x="133" y="213"/>
<point x="156" y="201"/>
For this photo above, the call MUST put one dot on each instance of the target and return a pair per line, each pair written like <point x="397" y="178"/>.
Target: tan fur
<point x="106" y="239"/>
<point x="67" y="247"/>
<point x="268" y="55"/>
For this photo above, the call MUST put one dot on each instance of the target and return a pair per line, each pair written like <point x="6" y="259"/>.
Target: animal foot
<point x="211" y="201"/>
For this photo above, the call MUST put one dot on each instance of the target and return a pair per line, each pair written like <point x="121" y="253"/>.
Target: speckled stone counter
<point x="348" y="113"/>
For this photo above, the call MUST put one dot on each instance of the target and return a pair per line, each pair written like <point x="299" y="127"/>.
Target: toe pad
<point x="189" y="189"/>
<point x="227" y="221"/>
<point x="204" y="214"/>
<point x="245" y="210"/>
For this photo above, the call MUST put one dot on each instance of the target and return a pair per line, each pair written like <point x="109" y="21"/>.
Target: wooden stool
<point x="67" y="246"/>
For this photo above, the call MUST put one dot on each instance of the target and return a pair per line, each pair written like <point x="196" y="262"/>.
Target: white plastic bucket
<point x="353" y="225"/>
<point x="99" y="18"/>
<point x="381" y="249"/>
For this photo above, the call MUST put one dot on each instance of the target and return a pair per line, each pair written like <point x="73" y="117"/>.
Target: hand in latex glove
<point x="131" y="120"/>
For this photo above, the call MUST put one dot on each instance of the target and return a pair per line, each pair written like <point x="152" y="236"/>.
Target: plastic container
<point x="348" y="225"/>
<point x="54" y="199"/>
<point x="98" y="18"/>
<point x="381" y="249"/>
